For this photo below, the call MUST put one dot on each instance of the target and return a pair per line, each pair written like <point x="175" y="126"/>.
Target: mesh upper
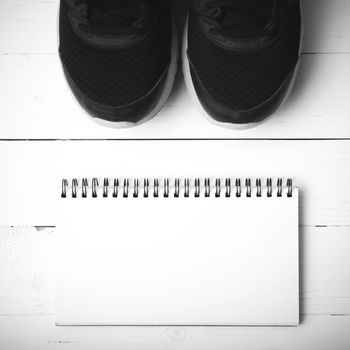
<point x="242" y="80"/>
<point x="115" y="77"/>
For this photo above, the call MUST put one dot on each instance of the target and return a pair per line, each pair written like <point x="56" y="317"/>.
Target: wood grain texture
<point x="321" y="169"/>
<point x="38" y="333"/>
<point x="319" y="106"/>
<point x="27" y="271"/>
<point x="36" y="103"/>
<point x="30" y="27"/>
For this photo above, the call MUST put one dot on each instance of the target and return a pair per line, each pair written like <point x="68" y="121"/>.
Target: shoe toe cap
<point x="222" y="113"/>
<point x="134" y="112"/>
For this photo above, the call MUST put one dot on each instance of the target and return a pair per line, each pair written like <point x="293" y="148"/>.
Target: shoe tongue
<point x="244" y="19"/>
<point x="110" y="5"/>
<point x="114" y="13"/>
<point x="245" y="6"/>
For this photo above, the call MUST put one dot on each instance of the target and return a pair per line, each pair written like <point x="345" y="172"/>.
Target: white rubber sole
<point x="164" y="95"/>
<point x="192" y="91"/>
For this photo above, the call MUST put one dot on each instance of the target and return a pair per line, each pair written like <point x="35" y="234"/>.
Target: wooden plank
<point x="27" y="271"/>
<point x="325" y="266"/>
<point x="28" y="27"/>
<point x="22" y="22"/>
<point x="27" y="278"/>
<point x="37" y="104"/>
<point x="327" y="27"/>
<point x="34" y="170"/>
<point x="39" y="333"/>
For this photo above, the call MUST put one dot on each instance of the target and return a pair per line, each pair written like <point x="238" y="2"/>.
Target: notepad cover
<point x="178" y="261"/>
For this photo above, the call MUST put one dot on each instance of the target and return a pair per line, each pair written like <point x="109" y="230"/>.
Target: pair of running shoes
<point x="239" y="57"/>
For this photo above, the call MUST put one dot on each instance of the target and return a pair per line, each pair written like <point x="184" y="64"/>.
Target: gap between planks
<point x="175" y="139"/>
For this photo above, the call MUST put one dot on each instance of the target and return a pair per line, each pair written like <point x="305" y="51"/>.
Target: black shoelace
<point x="244" y="18"/>
<point x="121" y="17"/>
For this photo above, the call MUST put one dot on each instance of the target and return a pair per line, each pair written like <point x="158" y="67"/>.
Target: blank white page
<point x="178" y="261"/>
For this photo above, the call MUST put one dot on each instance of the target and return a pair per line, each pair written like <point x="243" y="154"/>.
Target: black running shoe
<point x="119" y="57"/>
<point x="241" y="57"/>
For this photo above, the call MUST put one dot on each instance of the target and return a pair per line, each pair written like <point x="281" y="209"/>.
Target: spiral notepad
<point x="164" y="251"/>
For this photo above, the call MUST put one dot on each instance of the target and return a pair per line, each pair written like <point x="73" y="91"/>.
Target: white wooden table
<point x="44" y="135"/>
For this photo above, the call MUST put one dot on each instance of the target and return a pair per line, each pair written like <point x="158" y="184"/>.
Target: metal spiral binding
<point x="95" y="185"/>
<point x="218" y="188"/>
<point x="290" y="188"/>
<point x="207" y="188"/>
<point x="156" y="188"/>
<point x="279" y="187"/>
<point x="84" y="188"/>
<point x="228" y="188"/>
<point x="146" y="188"/>
<point x="248" y="185"/>
<point x="269" y="187"/>
<point x="115" y="188"/>
<point x="197" y="188"/>
<point x="75" y="185"/>
<point x="64" y="188"/>
<point x="258" y="187"/>
<point x="136" y="188"/>
<point x="187" y="188"/>
<point x="105" y="188"/>
<point x="238" y="188"/>
<point x="166" y="188"/>
<point x="126" y="188"/>
<point x="176" y="188"/>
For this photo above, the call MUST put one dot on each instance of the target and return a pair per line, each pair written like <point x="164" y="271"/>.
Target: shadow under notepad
<point x="302" y="243"/>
